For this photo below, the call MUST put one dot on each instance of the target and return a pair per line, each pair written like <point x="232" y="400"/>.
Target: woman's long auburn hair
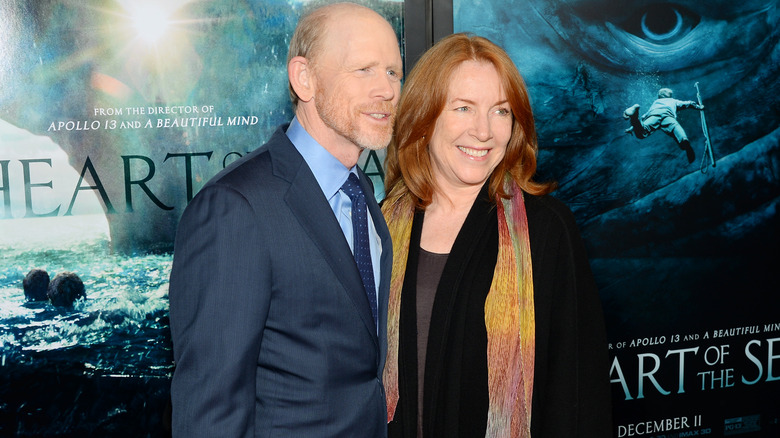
<point x="407" y="164"/>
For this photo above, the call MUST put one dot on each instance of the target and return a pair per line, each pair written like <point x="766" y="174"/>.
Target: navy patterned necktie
<point x="360" y="238"/>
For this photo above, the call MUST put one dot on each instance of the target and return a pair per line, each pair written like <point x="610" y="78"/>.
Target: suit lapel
<point x="307" y="203"/>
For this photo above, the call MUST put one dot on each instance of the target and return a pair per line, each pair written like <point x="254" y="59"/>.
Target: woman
<point x="494" y="326"/>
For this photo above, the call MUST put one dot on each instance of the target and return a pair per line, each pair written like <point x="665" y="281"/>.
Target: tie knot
<point x="352" y="187"/>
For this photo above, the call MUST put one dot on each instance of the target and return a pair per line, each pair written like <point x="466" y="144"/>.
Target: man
<point x="662" y="114"/>
<point x="273" y="330"/>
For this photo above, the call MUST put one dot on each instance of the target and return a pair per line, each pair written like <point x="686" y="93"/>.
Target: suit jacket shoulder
<point x="277" y="158"/>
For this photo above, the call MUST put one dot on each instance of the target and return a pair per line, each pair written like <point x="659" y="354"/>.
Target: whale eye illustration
<point x="661" y="23"/>
<point x="659" y="36"/>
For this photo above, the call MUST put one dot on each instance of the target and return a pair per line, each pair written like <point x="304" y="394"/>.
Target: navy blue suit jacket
<point x="272" y="330"/>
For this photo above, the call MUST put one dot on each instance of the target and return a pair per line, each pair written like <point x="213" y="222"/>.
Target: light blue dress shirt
<point x="331" y="175"/>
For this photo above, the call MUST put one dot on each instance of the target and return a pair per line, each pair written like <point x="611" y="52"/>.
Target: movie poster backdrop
<point x="677" y="205"/>
<point x="113" y="114"/>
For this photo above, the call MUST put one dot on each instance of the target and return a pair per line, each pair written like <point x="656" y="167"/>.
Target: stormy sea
<point x="101" y="368"/>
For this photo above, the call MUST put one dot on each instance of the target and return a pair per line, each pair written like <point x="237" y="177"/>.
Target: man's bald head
<point x="311" y="34"/>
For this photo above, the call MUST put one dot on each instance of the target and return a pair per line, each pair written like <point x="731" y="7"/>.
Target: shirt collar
<point x="328" y="171"/>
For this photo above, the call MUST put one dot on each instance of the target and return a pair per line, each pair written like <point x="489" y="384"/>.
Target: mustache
<point x="380" y="107"/>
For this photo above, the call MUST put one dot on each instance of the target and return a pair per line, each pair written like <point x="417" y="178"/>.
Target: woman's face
<point x="471" y="133"/>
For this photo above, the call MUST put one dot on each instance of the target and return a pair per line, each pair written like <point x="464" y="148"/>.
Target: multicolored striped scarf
<point x="509" y="315"/>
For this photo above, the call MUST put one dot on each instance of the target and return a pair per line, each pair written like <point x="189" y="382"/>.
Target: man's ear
<point x="301" y="78"/>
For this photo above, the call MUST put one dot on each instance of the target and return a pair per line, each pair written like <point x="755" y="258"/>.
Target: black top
<point x="571" y="395"/>
<point x="429" y="271"/>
